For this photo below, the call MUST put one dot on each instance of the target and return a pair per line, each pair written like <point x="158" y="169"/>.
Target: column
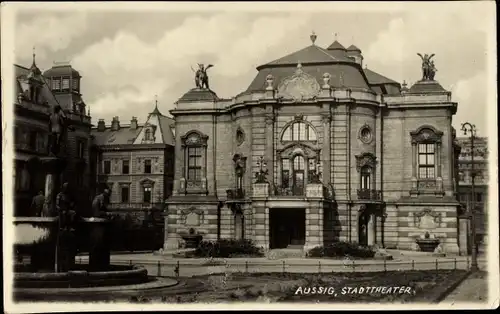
<point x="321" y="223"/>
<point x="269" y="158"/>
<point x="439" y="179"/>
<point x="414" y="184"/>
<point x="377" y="182"/>
<point x="266" y="226"/>
<point x="325" y="152"/>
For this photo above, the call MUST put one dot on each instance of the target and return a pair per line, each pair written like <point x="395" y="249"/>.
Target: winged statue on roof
<point x="428" y="68"/>
<point x="201" y="76"/>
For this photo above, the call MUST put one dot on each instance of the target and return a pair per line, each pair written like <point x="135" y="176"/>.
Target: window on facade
<point x="366" y="172"/>
<point x="298" y="175"/>
<point x="65" y="83"/>
<point x="426" y="161"/>
<point x="299" y="131"/>
<point x="285" y="173"/>
<point x="33" y="140"/>
<point x="107" y="167"/>
<point x="125" y="166"/>
<point x="125" y="194"/>
<point x="75" y="84"/>
<point x="194" y="164"/>
<point x="146" y="194"/>
<point x="479" y="197"/>
<point x="147" y="135"/>
<point x="147" y="166"/>
<point x="56" y="83"/>
<point x="81" y="149"/>
<point x="40" y="142"/>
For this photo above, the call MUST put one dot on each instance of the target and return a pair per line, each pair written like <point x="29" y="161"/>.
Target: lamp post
<point x="471" y="129"/>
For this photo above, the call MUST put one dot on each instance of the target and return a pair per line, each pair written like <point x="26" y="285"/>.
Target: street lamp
<point x="471" y="129"/>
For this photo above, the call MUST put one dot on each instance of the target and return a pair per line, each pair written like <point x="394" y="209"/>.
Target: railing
<point x="290" y="191"/>
<point x="367" y="194"/>
<point x="235" y="194"/>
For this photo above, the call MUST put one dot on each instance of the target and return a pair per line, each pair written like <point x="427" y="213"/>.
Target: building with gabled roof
<point x="36" y="98"/>
<point x="317" y="149"/>
<point x="135" y="161"/>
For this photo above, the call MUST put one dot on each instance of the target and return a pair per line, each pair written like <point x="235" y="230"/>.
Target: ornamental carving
<point x="239" y="164"/>
<point x="426" y="134"/>
<point x="194" y="138"/>
<point x="326" y="118"/>
<point x="240" y="136"/>
<point x="365" y="159"/>
<point x="365" y="134"/>
<point x="270" y="117"/>
<point x="298" y="117"/>
<point x="298" y="149"/>
<point x="192" y="216"/>
<point x="299" y="86"/>
<point x="426" y="185"/>
<point x="427" y="219"/>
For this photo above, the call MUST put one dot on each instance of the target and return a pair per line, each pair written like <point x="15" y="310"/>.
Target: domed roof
<point x="62" y="70"/>
<point x="353" y="48"/>
<point x="199" y="94"/>
<point x="315" y="61"/>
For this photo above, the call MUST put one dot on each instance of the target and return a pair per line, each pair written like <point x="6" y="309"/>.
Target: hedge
<point x="342" y="249"/>
<point x="228" y="248"/>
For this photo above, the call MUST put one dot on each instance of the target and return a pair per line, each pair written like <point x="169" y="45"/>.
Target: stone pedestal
<point x="99" y="238"/>
<point x="53" y="167"/>
<point x="314" y="190"/>
<point x="261" y="190"/>
<point x="463" y="230"/>
<point x="314" y="226"/>
<point x="371" y="230"/>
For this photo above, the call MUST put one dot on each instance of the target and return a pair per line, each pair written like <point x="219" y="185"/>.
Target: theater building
<point x="317" y="149"/>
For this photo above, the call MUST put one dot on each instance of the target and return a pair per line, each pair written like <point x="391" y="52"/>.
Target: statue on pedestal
<point x="428" y="68"/>
<point x="201" y="76"/>
<point x="58" y="125"/>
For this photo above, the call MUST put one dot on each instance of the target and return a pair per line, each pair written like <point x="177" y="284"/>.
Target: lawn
<point x="421" y="286"/>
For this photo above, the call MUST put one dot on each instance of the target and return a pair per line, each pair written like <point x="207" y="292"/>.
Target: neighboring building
<point x="480" y="182"/>
<point x="384" y="155"/>
<point x="135" y="161"/>
<point x="36" y="97"/>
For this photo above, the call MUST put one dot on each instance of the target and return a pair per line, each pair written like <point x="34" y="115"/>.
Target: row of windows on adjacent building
<point x="147" y="193"/>
<point x="125" y="166"/>
<point x="37" y="141"/>
<point x="466" y="197"/>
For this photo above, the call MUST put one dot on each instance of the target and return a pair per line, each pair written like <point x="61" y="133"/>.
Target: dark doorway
<point x="287" y="227"/>
<point x="363" y="228"/>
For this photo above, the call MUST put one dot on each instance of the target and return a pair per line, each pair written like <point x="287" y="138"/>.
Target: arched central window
<point x="299" y="131"/>
<point x="366" y="172"/>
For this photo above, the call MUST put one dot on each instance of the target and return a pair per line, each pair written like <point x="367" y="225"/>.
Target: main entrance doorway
<point x="287" y="227"/>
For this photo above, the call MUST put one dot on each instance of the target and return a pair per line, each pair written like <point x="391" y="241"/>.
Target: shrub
<point x="228" y="248"/>
<point x="341" y="249"/>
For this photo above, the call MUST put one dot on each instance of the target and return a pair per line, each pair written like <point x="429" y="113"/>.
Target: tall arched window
<point x="299" y="131"/>
<point x="298" y="170"/>
<point x="366" y="173"/>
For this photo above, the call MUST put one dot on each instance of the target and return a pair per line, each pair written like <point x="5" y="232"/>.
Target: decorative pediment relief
<point x="298" y="149"/>
<point x="192" y="216"/>
<point x="299" y="86"/>
<point x="427" y="219"/>
<point x="365" y="159"/>
<point x="426" y="133"/>
<point x="147" y="182"/>
<point x="194" y="138"/>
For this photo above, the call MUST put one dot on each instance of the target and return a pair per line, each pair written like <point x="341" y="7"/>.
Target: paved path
<point x="474" y="289"/>
<point x="160" y="265"/>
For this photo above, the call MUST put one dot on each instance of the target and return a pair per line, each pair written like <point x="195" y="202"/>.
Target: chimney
<point x="101" y="126"/>
<point x="133" y="123"/>
<point x="115" y="124"/>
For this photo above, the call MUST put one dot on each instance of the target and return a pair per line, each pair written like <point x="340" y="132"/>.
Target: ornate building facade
<point x="317" y="149"/>
<point x="135" y="161"/>
<point x="37" y="96"/>
<point x="480" y="181"/>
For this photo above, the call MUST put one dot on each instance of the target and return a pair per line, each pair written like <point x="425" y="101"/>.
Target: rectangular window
<point x="125" y="166"/>
<point x="426" y="161"/>
<point x="312" y="168"/>
<point x="75" y="84"/>
<point x="125" y="194"/>
<point x="285" y="173"/>
<point x="33" y="140"/>
<point x="65" y="83"/>
<point x="107" y="167"/>
<point x="146" y="196"/>
<point x="479" y="197"/>
<point x="56" y="84"/>
<point x="81" y="149"/>
<point x="40" y="142"/>
<point x="147" y="166"/>
<point x="194" y="164"/>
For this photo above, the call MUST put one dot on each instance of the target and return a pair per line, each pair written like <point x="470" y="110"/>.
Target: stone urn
<point x="427" y="243"/>
<point x="192" y="239"/>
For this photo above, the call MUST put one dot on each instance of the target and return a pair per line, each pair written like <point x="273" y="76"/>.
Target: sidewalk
<point x="474" y="289"/>
<point x="151" y="258"/>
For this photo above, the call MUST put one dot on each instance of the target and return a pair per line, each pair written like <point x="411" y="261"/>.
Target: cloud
<point x="48" y="32"/>
<point x="163" y="67"/>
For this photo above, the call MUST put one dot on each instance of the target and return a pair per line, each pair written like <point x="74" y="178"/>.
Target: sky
<point x="126" y="57"/>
